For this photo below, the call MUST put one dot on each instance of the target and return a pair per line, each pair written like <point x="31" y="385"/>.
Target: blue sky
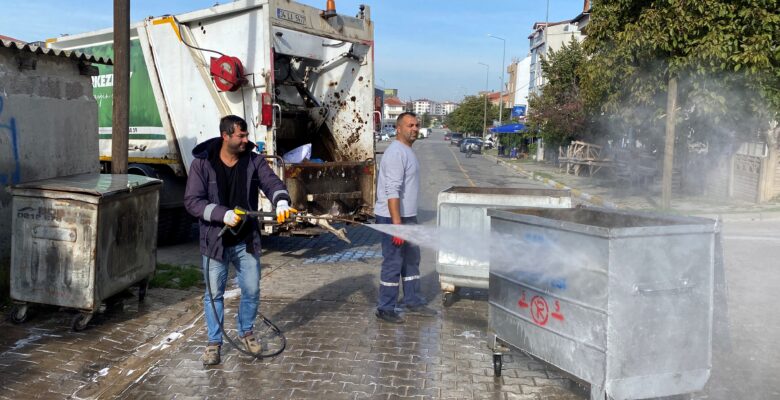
<point x="424" y="48"/>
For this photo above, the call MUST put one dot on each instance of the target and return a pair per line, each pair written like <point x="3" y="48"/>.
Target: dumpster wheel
<point x="80" y="321"/>
<point x="19" y="313"/>
<point x="142" y="288"/>
<point x="497" y="364"/>
<point x="449" y="298"/>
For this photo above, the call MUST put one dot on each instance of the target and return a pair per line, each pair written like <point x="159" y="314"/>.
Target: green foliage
<point x="558" y="113"/>
<point x="425" y="120"/>
<point x="724" y="54"/>
<point x="509" y="140"/>
<point x="470" y="115"/>
<point x="176" y="277"/>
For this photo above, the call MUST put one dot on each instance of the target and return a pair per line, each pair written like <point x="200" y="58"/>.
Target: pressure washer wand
<point x="242" y="213"/>
<point x="320" y="220"/>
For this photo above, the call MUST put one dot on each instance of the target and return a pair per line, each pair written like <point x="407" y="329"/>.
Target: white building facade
<point x="448" y="107"/>
<point x="522" y="82"/>
<point x="423" y="106"/>
<point x="393" y="107"/>
<point x="545" y="38"/>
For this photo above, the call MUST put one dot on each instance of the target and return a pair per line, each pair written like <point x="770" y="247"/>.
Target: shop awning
<point x="509" y="128"/>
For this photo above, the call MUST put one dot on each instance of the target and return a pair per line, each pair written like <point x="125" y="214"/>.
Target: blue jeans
<point x="248" y="275"/>
<point x="399" y="264"/>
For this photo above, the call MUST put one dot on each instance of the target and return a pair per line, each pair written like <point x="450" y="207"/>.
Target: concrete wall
<point x="48" y="128"/>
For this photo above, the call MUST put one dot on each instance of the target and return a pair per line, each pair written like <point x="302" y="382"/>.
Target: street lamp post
<point x="484" y="118"/>
<point x="501" y="92"/>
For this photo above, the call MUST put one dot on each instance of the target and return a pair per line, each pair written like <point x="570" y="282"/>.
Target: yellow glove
<point x="283" y="211"/>
<point x="231" y="219"/>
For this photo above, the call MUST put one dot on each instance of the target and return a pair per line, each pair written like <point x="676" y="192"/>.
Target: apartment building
<point x="423" y="106"/>
<point x="519" y="81"/>
<point x="548" y="37"/>
<point x="393" y="108"/>
<point x="448" y="107"/>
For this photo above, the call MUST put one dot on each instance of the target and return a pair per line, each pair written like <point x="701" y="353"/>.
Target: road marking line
<point x="468" y="178"/>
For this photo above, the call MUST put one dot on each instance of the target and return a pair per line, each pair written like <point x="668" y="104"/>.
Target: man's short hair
<point x="401" y="117"/>
<point x="228" y="123"/>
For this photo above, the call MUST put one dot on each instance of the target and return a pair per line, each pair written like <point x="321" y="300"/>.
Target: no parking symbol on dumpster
<point x="540" y="309"/>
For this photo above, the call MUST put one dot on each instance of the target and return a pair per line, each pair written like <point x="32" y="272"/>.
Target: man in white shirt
<point x="398" y="186"/>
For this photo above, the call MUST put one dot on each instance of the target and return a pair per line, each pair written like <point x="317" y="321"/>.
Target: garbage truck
<point x="302" y="78"/>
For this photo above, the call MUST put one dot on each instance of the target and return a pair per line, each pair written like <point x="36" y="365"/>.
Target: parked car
<point x="455" y="139"/>
<point x="447" y="135"/>
<point x="471" y="141"/>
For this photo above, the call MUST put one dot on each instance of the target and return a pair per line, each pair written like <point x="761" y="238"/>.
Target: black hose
<point x="265" y="320"/>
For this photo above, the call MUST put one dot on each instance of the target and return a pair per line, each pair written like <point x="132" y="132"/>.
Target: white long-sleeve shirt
<point x="398" y="177"/>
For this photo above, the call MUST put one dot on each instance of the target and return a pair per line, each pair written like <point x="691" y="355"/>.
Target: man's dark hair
<point x="401" y="117"/>
<point x="227" y="124"/>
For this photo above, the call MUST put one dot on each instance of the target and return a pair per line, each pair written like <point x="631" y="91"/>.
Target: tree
<point x="723" y="53"/>
<point x="558" y="112"/>
<point x="425" y="120"/>
<point x="470" y="115"/>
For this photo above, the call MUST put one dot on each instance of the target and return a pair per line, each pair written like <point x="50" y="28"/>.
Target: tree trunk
<point x="671" y="113"/>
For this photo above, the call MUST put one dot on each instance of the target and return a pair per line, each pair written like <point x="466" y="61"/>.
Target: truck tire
<point x="174" y="225"/>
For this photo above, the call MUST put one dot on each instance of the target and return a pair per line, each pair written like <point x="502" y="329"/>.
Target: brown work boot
<point x="252" y="345"/>
<point x="211" y="354"/>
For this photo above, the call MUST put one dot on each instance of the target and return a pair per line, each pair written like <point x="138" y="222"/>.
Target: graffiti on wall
<point x="10" y="172"/>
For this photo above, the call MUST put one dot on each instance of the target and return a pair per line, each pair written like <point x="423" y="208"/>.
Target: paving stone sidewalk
<point x="600" y="190"/>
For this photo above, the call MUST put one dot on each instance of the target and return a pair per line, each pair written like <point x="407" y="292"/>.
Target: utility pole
<point x="503" y="69"/>
<point x="484" y="118"/>
<point x="671" y="114"/>
<point x="120" y="124"/>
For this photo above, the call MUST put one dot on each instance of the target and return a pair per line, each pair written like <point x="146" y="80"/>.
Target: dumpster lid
<point x="522" y="190"/>
<point x="94" y="184"/>
<point x="607" y="222"/>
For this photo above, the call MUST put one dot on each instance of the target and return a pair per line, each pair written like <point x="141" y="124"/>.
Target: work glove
<point x="231" y="219"/>
<point x="397" y="242"/>
<point x="283" y="211"/>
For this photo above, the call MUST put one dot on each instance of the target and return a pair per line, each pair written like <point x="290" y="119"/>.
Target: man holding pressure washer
<point x="223" y="185"/>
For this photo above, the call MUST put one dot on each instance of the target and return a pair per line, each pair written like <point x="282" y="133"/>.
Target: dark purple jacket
<point x="201" y="198"/>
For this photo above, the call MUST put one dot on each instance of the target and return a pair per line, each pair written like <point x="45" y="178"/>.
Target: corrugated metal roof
<point x="73" y="55"/>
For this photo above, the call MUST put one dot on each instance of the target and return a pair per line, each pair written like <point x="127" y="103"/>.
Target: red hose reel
<point x="227" y="72"/>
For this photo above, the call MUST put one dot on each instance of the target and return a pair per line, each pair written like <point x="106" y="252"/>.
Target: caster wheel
<point x="497" y="364"/>
<point x="142" y="287"/>
<point x="80" y="321"/>
<point x="114" y="305"/>
<point x="19" y="313"/>
<point x="449" y="298"/>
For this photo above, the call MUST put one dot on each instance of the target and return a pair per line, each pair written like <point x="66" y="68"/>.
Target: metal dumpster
<point x="621" y="300"/>
<point x="77" y="240"/>
<point x="465" y="208"/>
